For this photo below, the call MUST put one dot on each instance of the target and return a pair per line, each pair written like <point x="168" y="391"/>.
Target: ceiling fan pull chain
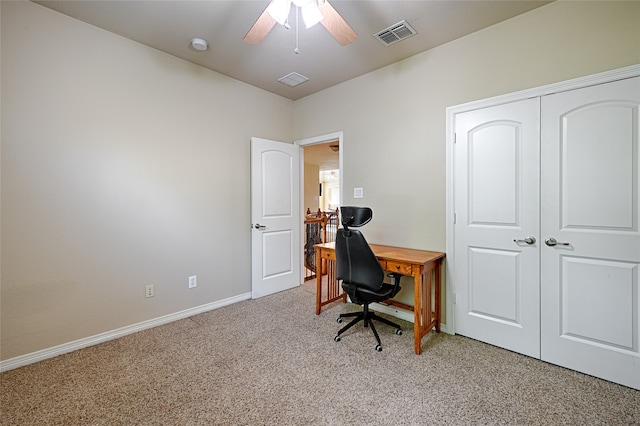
<point x="296" y="50"/>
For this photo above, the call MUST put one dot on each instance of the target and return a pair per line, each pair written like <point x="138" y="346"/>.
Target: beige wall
<point x="311" y="187"/>
<point x="393" y="119"/>
<point x="122" y="166"/>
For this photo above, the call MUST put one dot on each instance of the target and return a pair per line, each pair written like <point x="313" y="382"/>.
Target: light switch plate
<point x="358" y="193"/>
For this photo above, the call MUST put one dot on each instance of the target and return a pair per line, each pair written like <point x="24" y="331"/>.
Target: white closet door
<point x="590" y="195"/>
<point x="496" y="202"/>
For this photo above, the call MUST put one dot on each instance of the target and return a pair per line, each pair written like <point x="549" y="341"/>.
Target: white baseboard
<point x="54" y="351"/>
<point x="400" y="313"/>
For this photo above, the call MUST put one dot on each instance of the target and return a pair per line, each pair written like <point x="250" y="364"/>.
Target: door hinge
<point x="455" y="298"/>
<point x="454" y="218"/>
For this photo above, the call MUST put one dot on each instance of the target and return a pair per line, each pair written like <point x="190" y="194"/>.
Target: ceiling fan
<point x="313" y="11"/>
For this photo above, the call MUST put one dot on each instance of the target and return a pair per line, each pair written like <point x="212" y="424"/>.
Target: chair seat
<point x="364" y="295"/>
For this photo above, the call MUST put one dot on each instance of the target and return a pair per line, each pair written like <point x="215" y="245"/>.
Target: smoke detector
<point x="199" y="44"/>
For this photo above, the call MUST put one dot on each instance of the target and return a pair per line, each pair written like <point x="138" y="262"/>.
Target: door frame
<point x="329" y="137"/>
<point x="577" y="83"/>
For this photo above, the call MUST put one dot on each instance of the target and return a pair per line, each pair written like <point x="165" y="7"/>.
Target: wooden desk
<point x="424" y="266"/>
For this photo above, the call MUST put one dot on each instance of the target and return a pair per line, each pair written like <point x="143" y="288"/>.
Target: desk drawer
<point x="401" y="268"/>
<point x="331" y="255"/>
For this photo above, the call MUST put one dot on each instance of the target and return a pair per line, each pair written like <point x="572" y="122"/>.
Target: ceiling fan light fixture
<point x="311" y="14"/>
<point x="279" y="10"/>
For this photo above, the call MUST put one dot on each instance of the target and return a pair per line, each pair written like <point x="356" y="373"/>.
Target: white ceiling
<point x="169" y="26"/>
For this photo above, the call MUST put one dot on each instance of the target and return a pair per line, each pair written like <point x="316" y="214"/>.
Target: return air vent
<point x="293" y="79"/>
<point x="395" y="33"/>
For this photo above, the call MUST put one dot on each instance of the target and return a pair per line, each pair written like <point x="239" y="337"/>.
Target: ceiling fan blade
<point x="260" y="29"/>
<point x="336" y="26"/>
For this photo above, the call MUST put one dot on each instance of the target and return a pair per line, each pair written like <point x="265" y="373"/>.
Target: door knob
<point x="552" y="242"/>
<point x="260" y="227"/>
<point x="528" y="240"/>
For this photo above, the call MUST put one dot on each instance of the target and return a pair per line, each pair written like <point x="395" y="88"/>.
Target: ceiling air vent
<point x="395" y="33"/>
<point x="293" y="79"/>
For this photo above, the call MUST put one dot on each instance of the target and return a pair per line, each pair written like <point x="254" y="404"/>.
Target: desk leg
<point x="438" y="277"/>
<point x="426" y="315"/>
<point x="421" y="307"/>
<point x="318" y="281"/>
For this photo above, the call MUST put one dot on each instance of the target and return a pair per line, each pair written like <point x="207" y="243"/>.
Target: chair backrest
<point x="355" y="216"/>
<point x="355" y="261"/>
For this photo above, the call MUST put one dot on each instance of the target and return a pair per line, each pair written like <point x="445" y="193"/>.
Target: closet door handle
<point x="552" y="242"/>
<point x="528" y="240"/>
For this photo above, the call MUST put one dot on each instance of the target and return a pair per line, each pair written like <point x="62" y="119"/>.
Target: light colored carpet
<point x="271" y="361"/>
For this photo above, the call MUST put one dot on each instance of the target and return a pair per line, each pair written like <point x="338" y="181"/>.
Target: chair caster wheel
<point x="337" y="338"/>
<point x="378" y="348"/>
<point x="399" y="332"/>
<point x="339" y="320"/>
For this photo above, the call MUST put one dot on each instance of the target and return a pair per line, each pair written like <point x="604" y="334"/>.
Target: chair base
<point x="368" y="317"/>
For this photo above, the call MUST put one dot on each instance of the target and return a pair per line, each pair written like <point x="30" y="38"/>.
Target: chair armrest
<point x="396" y="280"/>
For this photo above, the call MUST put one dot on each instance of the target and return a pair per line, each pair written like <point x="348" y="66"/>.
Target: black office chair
<point x="361" y="274"/>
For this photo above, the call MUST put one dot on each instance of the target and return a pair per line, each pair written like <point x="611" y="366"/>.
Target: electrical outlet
<point x="193" y="281"/>
<point x="148" y="291"/>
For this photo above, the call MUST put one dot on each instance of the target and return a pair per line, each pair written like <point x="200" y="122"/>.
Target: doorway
<point x="321" y="195"/>
<point x="321" y="177"/>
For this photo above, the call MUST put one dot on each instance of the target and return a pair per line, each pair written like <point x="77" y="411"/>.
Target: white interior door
<point x="496" y="186"/>
<point x="590" y="205"/>
<point x="275" y="216"/>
